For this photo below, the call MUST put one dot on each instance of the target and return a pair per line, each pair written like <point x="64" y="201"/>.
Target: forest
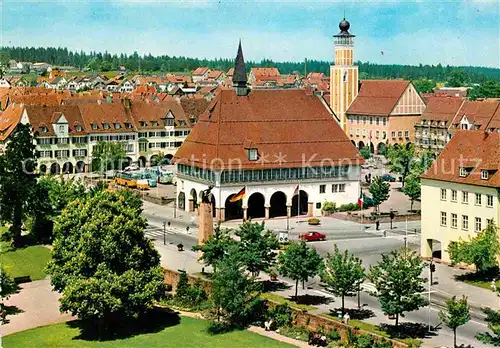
<point x="102" y="62"/>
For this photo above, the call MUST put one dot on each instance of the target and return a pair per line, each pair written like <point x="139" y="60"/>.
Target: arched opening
<point x="169" y="159"/>
<point x="256" y="207"/>
<point x="299" y="203"/>
<point x="277" y="205"/>
<point x="361" y="145"/>
<point x="194" y="199"/>
<point x="141" y="161"/>
<point x="353" y="142"/>
<point x="43" y="169"/>
<point x="233" y="210"/>
<point x="153" y="161"/>
<point x="181" y="201"/>
<point x="381" y="148"/>
<point x="436" y="248"/>
<point x="372" y="148"/>
<point x="126" y="162"/>
<point x="68" y="168"/>
<point x="80" y="167"/>
<point x="55" y="168"/>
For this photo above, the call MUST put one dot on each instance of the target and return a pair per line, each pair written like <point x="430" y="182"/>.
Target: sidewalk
<point x="173" y="259"/>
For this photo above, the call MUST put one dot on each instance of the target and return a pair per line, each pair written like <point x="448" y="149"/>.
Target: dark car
<point x="388" y="177"/>
<point x="312" y="236"/>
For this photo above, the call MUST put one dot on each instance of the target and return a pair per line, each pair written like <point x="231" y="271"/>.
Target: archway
<point x="372" y="148"/>
<point x="80" y="167"/>
<point x="361" y="145"/>
<point x="181" y="201"/>
<point x="381" y="148"/>
<point x="353" y="142"/>
<point x="256" y="207"/>
<point x="233" y="210"/>
<point x="436" y="248"/>
<point x="141" y="161"/>
<point x="304" y="198"/>
<point x="153" y="161"/>
<point x="277" y="204"/>
<point x="126" y="162"/>
<point x="55" y="168"/>
<point x="194" y="199"/>
<point x="169" y="159"/>
<point x="67" y="168"/>
<point x="43" y="169"/>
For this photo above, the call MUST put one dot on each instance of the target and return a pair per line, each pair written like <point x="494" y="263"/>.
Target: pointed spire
<point x="240" y="74"/>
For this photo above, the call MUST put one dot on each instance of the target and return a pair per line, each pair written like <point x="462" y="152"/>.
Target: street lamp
<point x="165" y="232"/>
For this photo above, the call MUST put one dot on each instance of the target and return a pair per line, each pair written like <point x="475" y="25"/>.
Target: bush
<point x="282" y="315"/>
<point x="383" y="344"/>
<point x="298" y="333"/>
<point x="313" y="221"/>
<point x="349" y="207"/>
<point x="192" y="296"/>
<point x="333" y="335"/>
<point x="364" y="341"/>
<point x="218" y="327"/>
<point x="329" y="207"/>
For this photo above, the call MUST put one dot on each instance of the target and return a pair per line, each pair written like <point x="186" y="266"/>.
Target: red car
<point x="312" y="236"/>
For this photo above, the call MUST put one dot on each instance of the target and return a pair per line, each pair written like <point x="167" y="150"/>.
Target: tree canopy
<point x="108" y="155"/>
<point x="456" y="315"/>
<point x="379" y="191"/>
<point x="215" y="247"/>
<point x="493" y="320"/>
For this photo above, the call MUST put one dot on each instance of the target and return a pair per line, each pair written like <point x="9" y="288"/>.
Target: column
<point x="267" y="211"/>
<point x="245" y="213"/>
<point x="219" y="214"/>
<point x="190" y="205"/>
<point x="288" y="210"/>
<point x="310" y="209"/>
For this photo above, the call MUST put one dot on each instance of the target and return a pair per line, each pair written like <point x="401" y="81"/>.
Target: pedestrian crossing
<point x="369" y="287"/>
<point x="154" y="232"/>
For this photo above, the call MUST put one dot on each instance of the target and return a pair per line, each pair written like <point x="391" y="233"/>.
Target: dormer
<point x="94" y="126"/>
<point x="465" y="123"/>
<point x="117" y="125"/>
<point x="60" y="124"/>
<point x="169" y="119"/>
<point x="143" y="123"/>
<point x="154" y="123"/>
<point x="484" y="174"/>
<point x="105" y="125"/>
<point x="78" y="127"/>
<point x="128" y="125"/>
<point x="43" y="128"/>
<point x="463" y="172"/>
<point x="251" y="150"/>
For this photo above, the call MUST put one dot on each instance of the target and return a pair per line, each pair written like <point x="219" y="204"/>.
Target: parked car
<point x="388" y="177"/>
<point x="312" y="236"/>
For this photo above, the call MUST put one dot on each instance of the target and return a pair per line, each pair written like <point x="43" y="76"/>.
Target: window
<point x="105" y="126"/>
<point x="335" y="188"/>
<point x="453" y="195"/>
<point x="142" y="147"/>
<point x="364" y="119"/>
<point x="443" y="194"/>
<point x="357" y="132"/>
<point x="128" y="125"/>
<point x="78" y="128"/>
<point x="478" y="199"/>
<point x="484" y="174"/>
<point x="63" y="140"/>
<point x="44" y="141"/>
<point x="364" y="132"/>
<point x="454" y="220"/>
<point x="407" y="134"/>
<point x="322" y="188"/>
<point x="117" y="125"/>
<point x="465" y="222"/>
<point x="318" y="205"/>
<point x="94" y="126"/>
<point x="393" y="134"/>
<point x="371" y="120"/>
<point x="143" y="123"/>
<point x="443" y="218"/>
<point x="357" y="119"/>
<point x="252" y="154"/>
<point x="384" y="121"/>
<point x="61" y="129"/>
<point x="377" y="134"/>
<point x="351" y="118"/>
<point x="489" y="201"/>
<point x="477" y="225"/>
<point x="341" y="187"/>
<point x="377" y="120"/>
<point x="44" y="129"/>
<point x="400" y="134"/>
<point x="463" y="172"/>
<point x="384" y="134"/>
<point x="465" y="197"/>
<point x="45" y="153"/>
<point x="143" y="134"/>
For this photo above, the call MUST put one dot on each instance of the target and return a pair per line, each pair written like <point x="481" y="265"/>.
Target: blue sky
<point x="461" y="32"/>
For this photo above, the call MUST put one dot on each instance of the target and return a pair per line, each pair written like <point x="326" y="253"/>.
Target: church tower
<point x="343" y="74"/>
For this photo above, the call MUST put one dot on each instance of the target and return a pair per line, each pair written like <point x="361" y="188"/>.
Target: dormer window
<point x="169" y="122"/>
<point x="154" y="123"/>
<point x="44" y="129"/>
<point x="463" y="172"/>
<point x="117" y="125"/>
<point x="484" y="174"/>
<point x="143" y="123"/>
<point x="128" y="125"/>
<point x="182" y="123"/>
<point x="105" y="126"/>
<point x="94" y="126"/>
<point x="78" y="128"/>
<point x="252" y="155"/>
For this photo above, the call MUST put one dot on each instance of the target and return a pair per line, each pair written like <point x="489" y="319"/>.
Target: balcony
<point x="418" y="135"/>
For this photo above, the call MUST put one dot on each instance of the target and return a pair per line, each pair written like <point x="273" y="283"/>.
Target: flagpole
<point x="298" y="200"/>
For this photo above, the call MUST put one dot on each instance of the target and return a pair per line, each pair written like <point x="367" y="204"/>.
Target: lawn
<point x="29" y="261"/>
<point x="282" y="300"/>
<point x="188" y="333"/>
<point x="482" y="283"/>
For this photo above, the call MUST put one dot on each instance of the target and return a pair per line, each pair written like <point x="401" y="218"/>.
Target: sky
<point x="454" y="32"/>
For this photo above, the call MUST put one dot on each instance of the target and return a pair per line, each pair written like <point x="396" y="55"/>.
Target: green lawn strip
<point x="29" y="261"/>
<point x="482" y="283"/>
<point x="282" y="300"/>
<point x="412" y="342"/>
<point x="189" y="333"/>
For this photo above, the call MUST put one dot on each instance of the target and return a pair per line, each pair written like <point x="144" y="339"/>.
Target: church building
<point x="266" y="153"/>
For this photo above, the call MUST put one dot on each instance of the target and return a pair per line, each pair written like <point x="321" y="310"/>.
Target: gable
<point x="410" y="103"/>
<point x="59" y="118"/>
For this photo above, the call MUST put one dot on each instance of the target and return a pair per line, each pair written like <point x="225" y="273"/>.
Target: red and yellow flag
<point x="238" y="196"/>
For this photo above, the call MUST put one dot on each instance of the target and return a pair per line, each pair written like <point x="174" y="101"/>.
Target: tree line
<point x="98" y="61"/>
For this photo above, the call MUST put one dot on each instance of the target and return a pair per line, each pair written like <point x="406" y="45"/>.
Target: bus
<point x="127" y="179"/>
<point x="145" y="180"/>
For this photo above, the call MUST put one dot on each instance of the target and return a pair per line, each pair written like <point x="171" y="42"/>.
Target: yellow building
<point x="343" y="74"/>
<point x="460" y="192"/>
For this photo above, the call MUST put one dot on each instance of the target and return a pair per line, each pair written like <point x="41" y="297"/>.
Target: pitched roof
<point x="479" y="112"/>
<point x="39" y="116"/>
<point x="377" y="97"/>
<point x="230" y="72"/>
<point x="442" y="108"/>
<point x="200" y="70"/>
<point x="215" y="74"/>
<point x="265" y="72"/>
<point x="9" y="119"/>
<point x="109" y="113"/>
<point x="193" y="108"/>
<point x="284" y="125"/>
<point x="475" y="149"/>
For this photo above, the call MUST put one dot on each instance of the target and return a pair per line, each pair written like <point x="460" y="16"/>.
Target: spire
<point x="240" y="74"/>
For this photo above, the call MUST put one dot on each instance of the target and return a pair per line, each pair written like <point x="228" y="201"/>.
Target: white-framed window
<point x="105" y="126"/>
<point x="454" y="221"/>
<point x="453" y="195"/>
<point x="465" y="197"/>
<point x="371" y="120"/>
<point x="357" y="132"/>
<point x="78" y="128"/>
<point x="443" y="218"/>
<point x="477" y="225"/>
<point x="478" y="199"/>
<point x="465" y="222"/>
<point x="364" y="132"/>
<point x="489" y="201"/>
<point x="357" y="119"/>
<point x="377" y="121"/>
<point x="393" y="134"/>
<point x="252" y="155"/>
<point x="94" y="126"/>
<point x="117" y="125"/>
<point x="364" y="119"/>
<point x="384" y="121"/>
<point x="143" y="123"/>
<point x="44" y="141"/>
<point x="443" y="194"/>
<point x="341" y="187"/>
<point x="322" y="188"/>
<point x="154" y="123"/>
<point x="335" y="188"/>
<point x="142" y="147"/>
<point x="351" y="119"/>
<point x="407" y="134"/>
<point x="400" y="134"/>
<point x="45" y="153"/>
<point x="62" y="129"/>
<point x="463" y="172"/>
<point x="63" y="140"/>
<point x="43" y="129"/>
<point x="484" y="174"/>
<point x="384" y="134"/>
<point x="377" y="134"/>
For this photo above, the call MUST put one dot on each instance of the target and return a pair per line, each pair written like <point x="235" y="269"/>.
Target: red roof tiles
<point x="9" y="119"/>
<point x="377" y="97"/>
<point x="442" y="108"/>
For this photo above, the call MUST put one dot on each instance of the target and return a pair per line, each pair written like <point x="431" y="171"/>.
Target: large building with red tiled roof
<point x="282" y="147"/>
<point x="9" y="119"/>
<point x="460" y="191"/>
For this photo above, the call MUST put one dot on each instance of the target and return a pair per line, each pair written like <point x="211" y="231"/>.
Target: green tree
<point x="489" y="89"/>
<point x="481" y="250"/>
<point x="424" y="85"/>
<point x="493" y="320"/>
<point x="412" y="189"/>
<point x="257" y="247"/>
<point x="456" y="315"/>
<point x="401" y="159"/>
<point x="299" y="262"/>
<point x="17" y="179"/>
<point x="397" y="278"/>
<point x="379" y="191"/>
<point x="234" y="294"/>
<point x="366" y="152"/>
<point x="457" y="78"/>
<point x="108" y="155"/>
<point x="215" y="247"/>
<point x="7" y="288"/>
<point x="102" y="263"/>
<point x="342" y="273"/>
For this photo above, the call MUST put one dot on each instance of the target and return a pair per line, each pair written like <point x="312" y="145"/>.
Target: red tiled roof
<point x="287" y="127"/>
<point x="230" y="72"/>
<point x="9" y="119"/>
<point x="109" y="113"/>
<point x="193" y="107"/>
<point x="263" y="72"/>
<point x="201" y="70"/>
<point x="46" y="115"/>
<point x="475" y="149"/>
<point x="441" y="108"/>
<point x="214" y="74"/>
<point x="377" y="97"/>
<point x="479" y="112"/>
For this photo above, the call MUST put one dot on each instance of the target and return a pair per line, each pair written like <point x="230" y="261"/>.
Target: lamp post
<point x="165" y="232"/>
<point x="175" y="209"/>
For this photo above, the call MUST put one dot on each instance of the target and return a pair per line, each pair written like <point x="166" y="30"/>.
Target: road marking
<point x="356" y="239"/>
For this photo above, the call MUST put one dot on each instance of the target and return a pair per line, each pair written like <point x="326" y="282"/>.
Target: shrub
<point x="349" y="207"/>
<point x="192" y="296"/>
<point x="364" y="341"/>
<point x="313" y="221"/>
<point x="218" y="327"/>
<point x="333" y="335"/>
<point x="329" y="207"/>
<point x="383" y="344"/>
<point x="282" y="315"/>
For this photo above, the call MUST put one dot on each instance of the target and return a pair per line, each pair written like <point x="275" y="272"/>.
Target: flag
<point x="238" y="196"/>
<point x="296" y="190"/>
<point x="360" y="200"/>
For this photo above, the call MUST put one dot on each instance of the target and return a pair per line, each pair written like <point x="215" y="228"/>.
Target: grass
<point x="189" y="332"/>
<point x="412" y="342"/>
<point x="28" y="261"/>
<point x="282" y="300"/>
<point x="482" y="283"/>
<point x="481" y="279"/>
